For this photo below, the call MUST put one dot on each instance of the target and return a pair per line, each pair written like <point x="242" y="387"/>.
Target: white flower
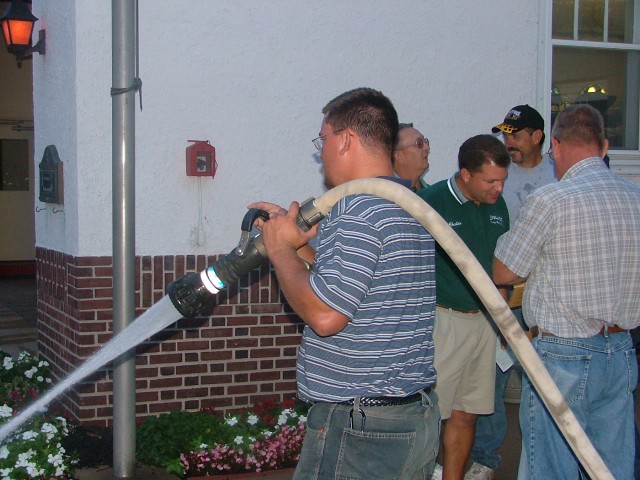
<point x="34" y="471"/>
<point x="267" y="433"/>
<point x="291" y="413"/>
<point x="252" y="419"/>
<point x="4" y="452"/>
<point x="40" y="378"/>
<point x="48" y="428"/>
<point x="55" y="460"/>
<point x="238" y="440"/>
<point x="29" y="435"/>
<point x="232" y="421"/>
<point x="203" y="446"/>
<point x="5" y="411"/>
<point x="302" y="419"/>
<point x="23" y="458"/>
<point x="5" y="473"/>
<point x="7" y="363"/>
<point x="43" y="363"/>
<point x="29" y="373"/>
<point x="284" y="416"/>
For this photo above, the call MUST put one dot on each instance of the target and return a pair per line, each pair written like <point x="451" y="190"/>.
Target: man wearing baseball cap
<point x="523" y="133"/>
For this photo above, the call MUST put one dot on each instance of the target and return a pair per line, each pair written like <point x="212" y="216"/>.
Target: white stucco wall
<point x="252" y="77"/>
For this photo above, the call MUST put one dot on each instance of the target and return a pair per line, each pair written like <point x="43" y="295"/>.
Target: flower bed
<point x="192" y="444"/>
<point x="35" y="450"/>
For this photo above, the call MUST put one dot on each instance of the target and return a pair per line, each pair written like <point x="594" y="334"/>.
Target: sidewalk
<point x="18" y="315"/>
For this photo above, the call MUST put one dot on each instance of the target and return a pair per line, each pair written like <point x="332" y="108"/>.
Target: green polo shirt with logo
<point x="479" y="227"/>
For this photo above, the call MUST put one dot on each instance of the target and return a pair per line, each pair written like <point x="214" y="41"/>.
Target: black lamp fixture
<point x="17" y="26"/>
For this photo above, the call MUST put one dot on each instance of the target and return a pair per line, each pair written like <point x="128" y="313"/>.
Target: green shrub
<point x="162" y="439"/>
<point x="168" y="440"/>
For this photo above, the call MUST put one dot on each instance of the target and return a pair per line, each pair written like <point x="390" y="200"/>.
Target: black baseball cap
<point x="522" y="116"/>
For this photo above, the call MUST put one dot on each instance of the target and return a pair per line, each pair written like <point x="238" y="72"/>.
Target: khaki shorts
<point x="465" y="362"/>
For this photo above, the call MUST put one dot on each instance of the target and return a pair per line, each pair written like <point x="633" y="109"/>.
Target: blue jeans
<point x="597" y="377"/>
<point x="394" y="442"/>
<point x="491" y="430"/>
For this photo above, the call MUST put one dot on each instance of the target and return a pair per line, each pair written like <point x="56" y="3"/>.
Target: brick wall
<point x="244" y="352"/>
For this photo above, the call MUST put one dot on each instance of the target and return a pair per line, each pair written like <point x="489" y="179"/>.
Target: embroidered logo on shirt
<point x="455" y="224"/>
<point x="496" y="220"/>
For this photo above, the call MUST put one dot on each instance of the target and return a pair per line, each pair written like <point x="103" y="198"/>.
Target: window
<point x="596" y="60"/>
<point x="14" y="165"/>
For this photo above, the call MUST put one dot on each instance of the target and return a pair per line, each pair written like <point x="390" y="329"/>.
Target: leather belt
<point x="605" y="330"/>
<point x="388" y="401"/>
<point x="459" y="311"/>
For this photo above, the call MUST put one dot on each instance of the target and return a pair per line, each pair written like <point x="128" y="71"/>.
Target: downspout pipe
<point x="123" y="201"/>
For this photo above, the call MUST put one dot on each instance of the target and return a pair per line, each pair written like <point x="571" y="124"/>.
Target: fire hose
<point x="191" y="293"/>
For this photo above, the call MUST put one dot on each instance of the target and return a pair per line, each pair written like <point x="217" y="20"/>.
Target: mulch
<point x="92" y="445"/>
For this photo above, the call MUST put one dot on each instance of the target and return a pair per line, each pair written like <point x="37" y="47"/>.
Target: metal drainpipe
<point x="123" y="196"/>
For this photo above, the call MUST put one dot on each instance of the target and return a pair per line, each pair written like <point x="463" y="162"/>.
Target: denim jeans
<point x="597" y="377"/>
<point x="491" y="430"/>
<point x="394" y="442"/>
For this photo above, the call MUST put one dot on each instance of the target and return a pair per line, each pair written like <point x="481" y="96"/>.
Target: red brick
<point x="242" y="342"/>
<point x="264" y="376"/>
<point x="215" y="379"/>
<point x="192" y="345"/>
<point x="190" y="369"/>
<point x="241" y="389"/>
<point x="93" y="261"/>
<point x="265" y="353"/>
<point x="166" y="358"/>
<point x="92" y="400"/>
<point x="146" y="397"/>
<point x="167" y="395"/>
<point x="165" y="407"/>
<point x="192" y="392"/>
<point x="93" y="282"/>
<point x="264" y="331"/>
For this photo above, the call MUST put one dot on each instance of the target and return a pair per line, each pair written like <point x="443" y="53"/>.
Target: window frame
<point x="625" y="162"/>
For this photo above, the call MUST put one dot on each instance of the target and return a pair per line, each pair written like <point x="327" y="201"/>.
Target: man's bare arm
<point x="503" y="276"/>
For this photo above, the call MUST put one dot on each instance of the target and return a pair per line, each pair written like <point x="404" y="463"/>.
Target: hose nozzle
<point x="194" y="293"/>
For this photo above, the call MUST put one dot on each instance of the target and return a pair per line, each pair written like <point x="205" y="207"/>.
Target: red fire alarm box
<point x="201" y="159"/>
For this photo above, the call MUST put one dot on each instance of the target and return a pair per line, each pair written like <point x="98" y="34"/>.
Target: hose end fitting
<point x="189" y="295"/>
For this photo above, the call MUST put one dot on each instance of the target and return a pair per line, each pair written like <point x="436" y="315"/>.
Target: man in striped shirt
<point x="366" y="358"/>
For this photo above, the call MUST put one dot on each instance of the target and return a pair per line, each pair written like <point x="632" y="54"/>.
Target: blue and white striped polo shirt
<point x="374" y="264"/>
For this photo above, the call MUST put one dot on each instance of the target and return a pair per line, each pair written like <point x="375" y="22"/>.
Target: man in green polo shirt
<point x="464" y="335"/>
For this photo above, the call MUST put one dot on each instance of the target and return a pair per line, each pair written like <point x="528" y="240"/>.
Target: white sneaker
<point x="479" y="472"/>
<point x="437" y="472"/>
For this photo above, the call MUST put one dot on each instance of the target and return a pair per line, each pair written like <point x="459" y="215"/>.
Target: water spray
<point x="192" y="294"/>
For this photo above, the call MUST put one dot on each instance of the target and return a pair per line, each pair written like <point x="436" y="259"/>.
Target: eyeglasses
<point x="319" y="141"/>
<point x="420" y="143"/>
<point x="550" y="153"/>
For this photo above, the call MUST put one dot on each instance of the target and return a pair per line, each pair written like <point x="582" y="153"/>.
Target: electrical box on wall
<point x="201" y="159"/>
<point x="51" y="180"/>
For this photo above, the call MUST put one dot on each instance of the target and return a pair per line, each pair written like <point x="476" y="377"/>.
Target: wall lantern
<point x="17" y="26"/>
